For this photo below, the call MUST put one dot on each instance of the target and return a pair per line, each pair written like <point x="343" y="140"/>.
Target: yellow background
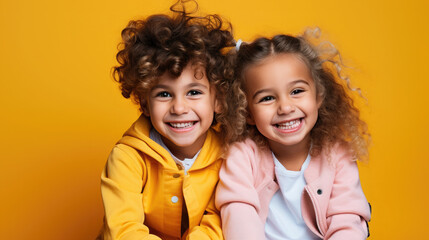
<point x="61" y="112"/>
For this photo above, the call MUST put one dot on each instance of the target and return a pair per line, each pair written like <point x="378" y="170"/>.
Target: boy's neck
<point x="185" y="152"/>
<point x="291" y="157"/>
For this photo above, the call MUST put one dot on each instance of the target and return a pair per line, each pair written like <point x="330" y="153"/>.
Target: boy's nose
<point x="179" y="107"/>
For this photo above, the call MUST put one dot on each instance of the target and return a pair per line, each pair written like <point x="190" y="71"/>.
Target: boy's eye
<point x="163" y="94"/>
<point x="266" y="99"/>
<point x="194" y="92"/>
<point x="296" y="91"/>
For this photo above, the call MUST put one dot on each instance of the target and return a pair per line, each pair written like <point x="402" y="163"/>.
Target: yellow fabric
<point x="141" y="178"/>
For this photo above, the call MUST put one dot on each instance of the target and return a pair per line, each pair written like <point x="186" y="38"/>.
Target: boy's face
<point x="182" y="110"/>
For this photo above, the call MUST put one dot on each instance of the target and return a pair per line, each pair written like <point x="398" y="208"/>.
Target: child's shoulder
<point x="338" y="154"/>
<point x="124" y="152"/>
<point x="248" y="148"/>
<point x="245" y="145"/>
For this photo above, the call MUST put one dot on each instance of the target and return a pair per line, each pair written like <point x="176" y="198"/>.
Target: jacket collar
<point x="314" y="168"/>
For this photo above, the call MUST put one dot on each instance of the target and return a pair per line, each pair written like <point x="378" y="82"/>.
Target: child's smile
<point x="183" y="126"/>
<point x="289" y="126"/>
<point x="282" y="100"/>
<point x="182" y="109"/>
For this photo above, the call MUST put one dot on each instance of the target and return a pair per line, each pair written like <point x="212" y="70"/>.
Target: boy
<point x="159" y="180"/>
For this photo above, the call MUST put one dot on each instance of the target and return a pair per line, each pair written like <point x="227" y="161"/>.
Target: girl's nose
<point x="179" y="107"/>
<point x="285" y="108"/>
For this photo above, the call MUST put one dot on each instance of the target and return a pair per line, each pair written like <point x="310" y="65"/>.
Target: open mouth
<point x="181" y="125"/>
<point x="290" y="125"/>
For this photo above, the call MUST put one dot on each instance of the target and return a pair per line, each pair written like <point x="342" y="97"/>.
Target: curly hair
<point x="160" y="43"/>
<point x="338" y="118"/>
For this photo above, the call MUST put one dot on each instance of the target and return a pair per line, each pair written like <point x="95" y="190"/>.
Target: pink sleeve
<point x="348" y="208"/>
<point x="236" y="196"/>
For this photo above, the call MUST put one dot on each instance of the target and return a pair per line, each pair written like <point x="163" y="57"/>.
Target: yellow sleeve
<point x="210" y="226"/>
<point x="122" y="182"/>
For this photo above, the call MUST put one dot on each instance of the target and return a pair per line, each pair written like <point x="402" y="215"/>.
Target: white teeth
<point x="289" y="125"/>
<point x="182" y="125"/>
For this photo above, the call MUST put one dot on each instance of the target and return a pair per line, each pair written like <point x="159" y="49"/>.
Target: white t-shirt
<point x="284" y="221"/>
<point x="186" y="163"/>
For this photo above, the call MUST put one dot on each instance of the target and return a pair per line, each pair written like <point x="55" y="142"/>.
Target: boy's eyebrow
<point x="191" y="85"/>
<point x="196" y="84"/>
<point x="160" y="86"/>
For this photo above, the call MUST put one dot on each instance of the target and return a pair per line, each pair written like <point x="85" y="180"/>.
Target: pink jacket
<point x="333" y="204"/>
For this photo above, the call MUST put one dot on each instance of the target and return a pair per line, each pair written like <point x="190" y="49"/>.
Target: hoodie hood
<point x="137" y="137"/>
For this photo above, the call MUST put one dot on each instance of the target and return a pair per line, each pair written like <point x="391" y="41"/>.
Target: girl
<point x="294" y="175"/>
<point x="159" y="180"/>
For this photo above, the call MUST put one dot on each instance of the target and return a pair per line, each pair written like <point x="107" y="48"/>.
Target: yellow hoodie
<point x="143" y="190"/>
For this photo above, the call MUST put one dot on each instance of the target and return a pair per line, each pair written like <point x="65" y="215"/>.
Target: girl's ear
<point x="249" y="120"/>
<point x="319" y="100"/>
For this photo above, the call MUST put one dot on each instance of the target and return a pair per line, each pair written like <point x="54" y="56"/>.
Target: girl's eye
<point x="296" y="91"/>
<point x="194" y="92"/>
<point x="266" y="99"/>
<point x="163" y="94"/>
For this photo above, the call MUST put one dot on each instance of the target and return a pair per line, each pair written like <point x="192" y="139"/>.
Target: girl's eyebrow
<point x="270" y="89"/>
<point x="260" y="92"/>
<point x="299" y="81"/>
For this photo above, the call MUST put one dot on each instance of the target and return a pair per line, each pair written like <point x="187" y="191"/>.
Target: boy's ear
<point x="217" y="106"/>
<point x="144" y="107"/>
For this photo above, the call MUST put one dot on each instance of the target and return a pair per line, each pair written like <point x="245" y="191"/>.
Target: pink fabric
<point x="333" y="204"/>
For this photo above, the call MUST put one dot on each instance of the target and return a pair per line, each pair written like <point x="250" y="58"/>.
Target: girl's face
<point x="282" y="100"/>
<point x="182" y="109"/>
